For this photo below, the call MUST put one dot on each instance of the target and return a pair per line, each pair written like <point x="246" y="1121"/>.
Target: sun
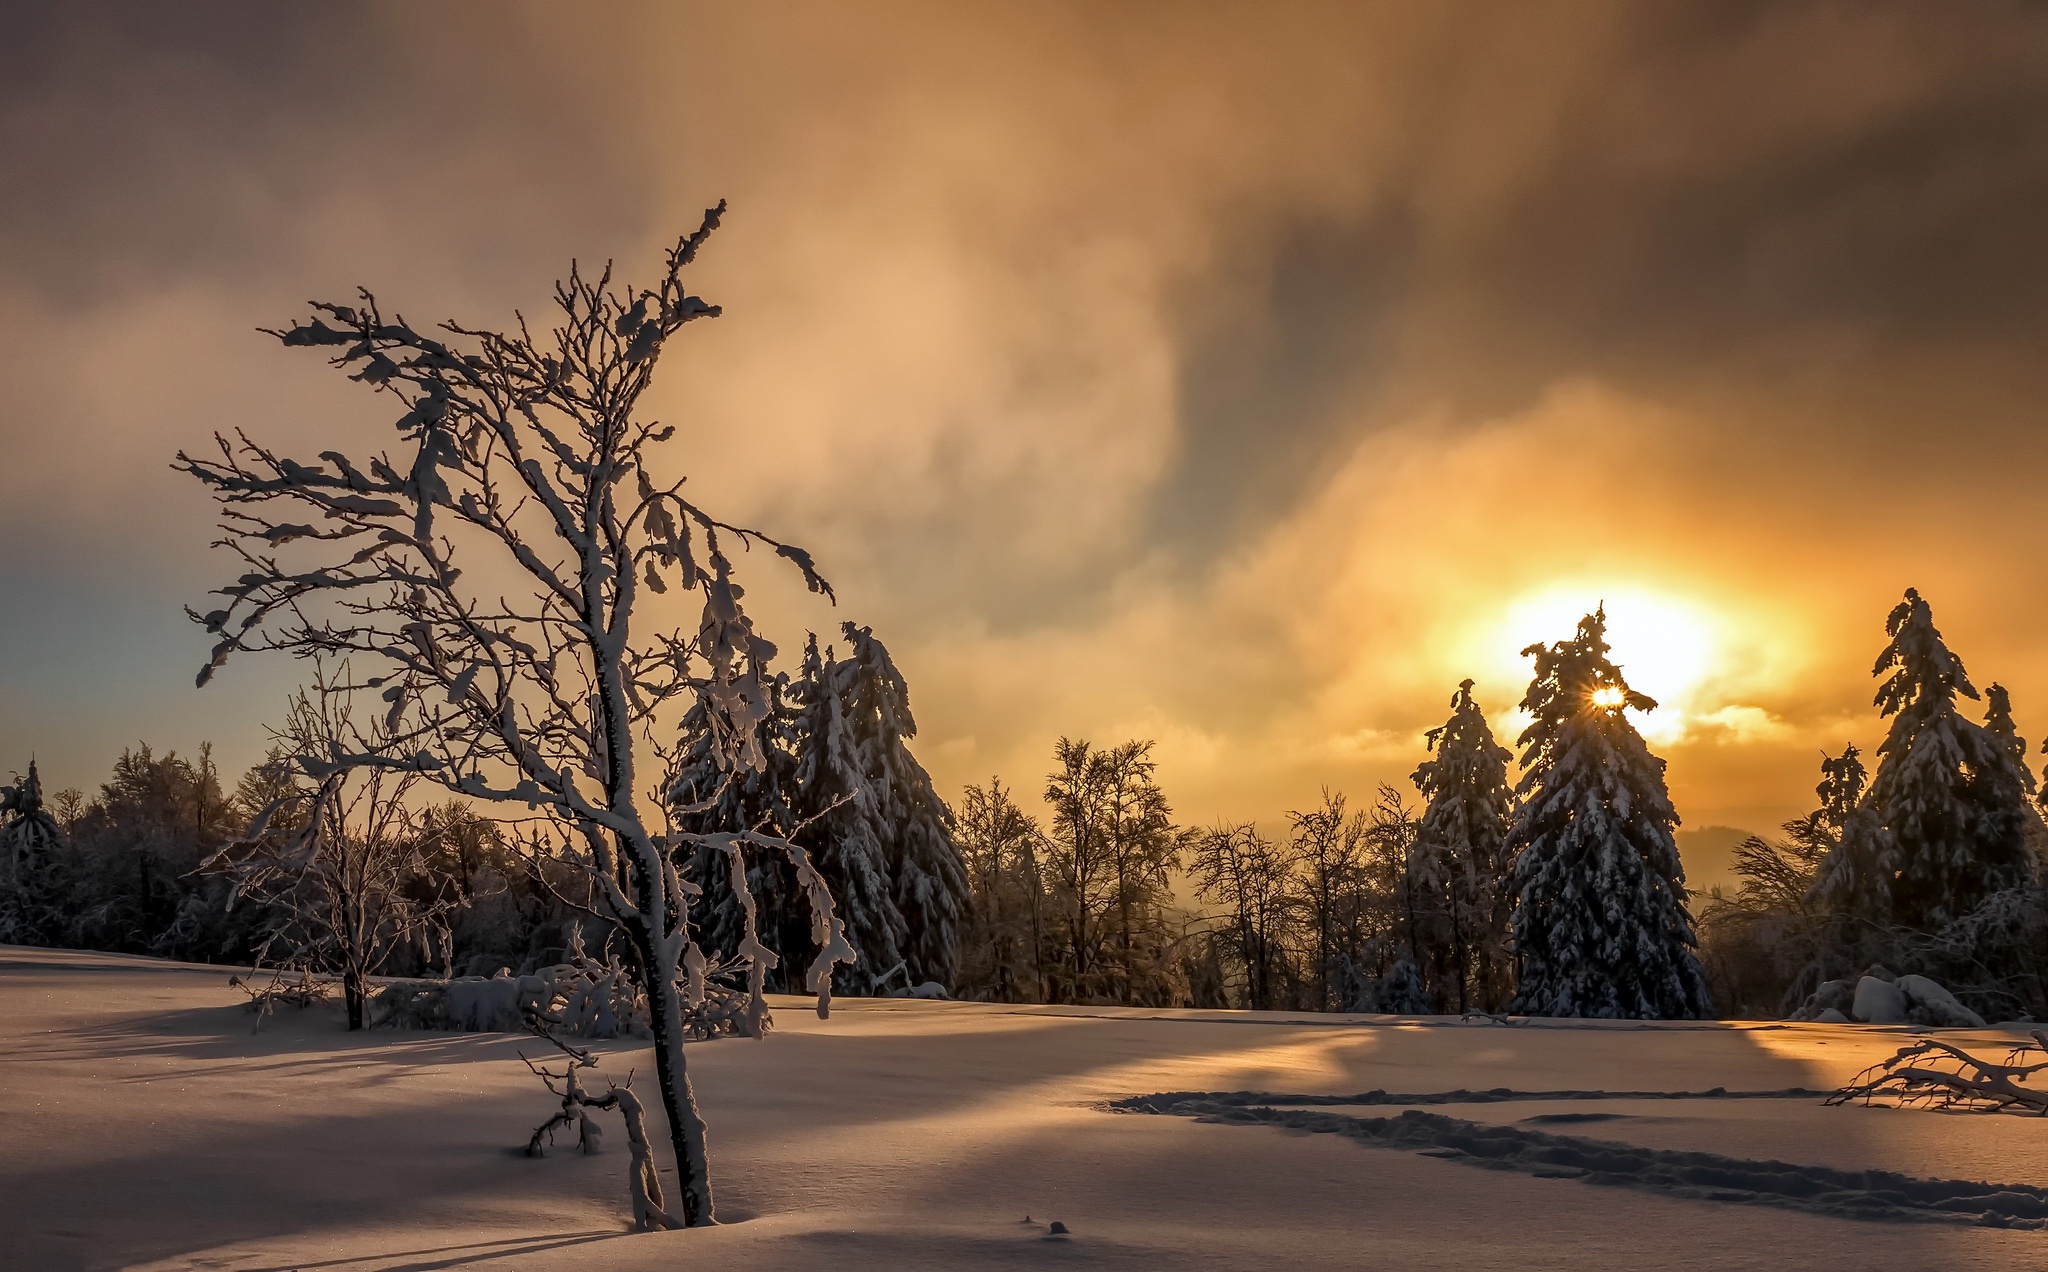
<point x="1607" y="697"/>
<point x="1667" y="647"/>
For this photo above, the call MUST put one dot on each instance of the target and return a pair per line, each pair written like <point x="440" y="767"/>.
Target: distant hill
<point x="1709" y="856"/>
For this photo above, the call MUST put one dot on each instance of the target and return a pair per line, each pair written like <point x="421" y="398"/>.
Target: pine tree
<point x="1842" y="779"/>
<point x="751" y="799"/>
<point x="833" y="797"/>
<point x="1462" y="842"/>
<point x="28" y="833"/>
<point x="912" y="825"/>
<point x="1998" y="722"/>
<point x="2017" y="780"/>
<point x="1948" y="823"/>
<point x="1601" y="926"/>
<point x="29" y="836"/>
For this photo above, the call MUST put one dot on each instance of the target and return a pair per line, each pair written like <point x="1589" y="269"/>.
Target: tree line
<point x="1933" y="864"/>
<point x="1561" y="894"/>
<point x="1558" y="893"/>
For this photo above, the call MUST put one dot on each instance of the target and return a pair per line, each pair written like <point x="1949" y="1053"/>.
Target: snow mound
<point x="582" y="1000"/>
<point x="1879" y="1002"/>
<point x="1929" y="1004"/>
<point x="1879" y="998"/>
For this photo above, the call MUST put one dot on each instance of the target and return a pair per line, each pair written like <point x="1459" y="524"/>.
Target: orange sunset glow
<point x="1203" y="378"/>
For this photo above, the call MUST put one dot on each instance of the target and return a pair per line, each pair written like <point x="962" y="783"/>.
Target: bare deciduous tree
<point x="334" y="863"/>
<point x="494" y="574"/>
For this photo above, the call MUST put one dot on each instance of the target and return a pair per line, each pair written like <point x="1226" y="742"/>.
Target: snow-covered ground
<point x="142" y="1124"/>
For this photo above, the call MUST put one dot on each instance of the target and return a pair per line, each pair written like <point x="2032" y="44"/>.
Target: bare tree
<point x="1329" y="848"/>
<point x="493" y="574"/>
<point x="334" y="862"/>
<point x="1003" y="953"/>
<point x="1252" y="877"/>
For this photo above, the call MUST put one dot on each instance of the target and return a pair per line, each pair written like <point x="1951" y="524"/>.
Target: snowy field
<point x="143" y="1125"/>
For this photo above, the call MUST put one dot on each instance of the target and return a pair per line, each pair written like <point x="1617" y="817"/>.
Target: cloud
<point x="1236" y="376"/>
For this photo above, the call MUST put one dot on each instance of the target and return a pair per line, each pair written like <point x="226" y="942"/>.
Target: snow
<point x="147" y="1127"/>
<point x="1879" y="1002"/>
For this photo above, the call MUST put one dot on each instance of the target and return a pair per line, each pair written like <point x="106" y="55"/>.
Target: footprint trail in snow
<point x="1850" y="1194"/>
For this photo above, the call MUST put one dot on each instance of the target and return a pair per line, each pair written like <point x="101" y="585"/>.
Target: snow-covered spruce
<point x="1944" y="824"/>
<point x="1600" y="923"/>
<point x="913" y="826"/>
<point x="28" y="832"/>
<point x="711" y="799"/>
<point x="29" y="836"/>
<point x="1461" y="851"/>
<point x="833" y="796"/>
<point x="839" y="777"/>
<point x="522" y="456"/>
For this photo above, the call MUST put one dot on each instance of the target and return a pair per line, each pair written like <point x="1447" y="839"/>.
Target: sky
<point x="1240" y="377"/>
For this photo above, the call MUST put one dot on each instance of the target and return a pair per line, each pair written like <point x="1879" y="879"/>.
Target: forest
<point x="1546" y="883"/>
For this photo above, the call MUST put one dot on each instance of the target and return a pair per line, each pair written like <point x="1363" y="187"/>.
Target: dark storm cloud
<point x="145" y="143"/>
<point x="1740" y="193"/>
<point x="1275" y="368"/>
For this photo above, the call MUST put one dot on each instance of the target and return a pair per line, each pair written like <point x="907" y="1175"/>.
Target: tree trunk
<point x="352" y="995"/>
<point x="685" y="1123"/>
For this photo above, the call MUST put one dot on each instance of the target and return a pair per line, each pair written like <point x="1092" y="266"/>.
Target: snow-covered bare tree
<point x="493" y="579"/>
<point x="1600" y="924"/>
<point x="1109" y="851"/>
<point x="1760" y="943"/>
<point x="337" y="864"/>
<point x="1463" y="837"/>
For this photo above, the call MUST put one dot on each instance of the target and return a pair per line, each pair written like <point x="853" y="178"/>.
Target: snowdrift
<point x="148" y="1127"/>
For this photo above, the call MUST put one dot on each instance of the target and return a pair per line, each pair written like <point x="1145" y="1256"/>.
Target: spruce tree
<point x="1998" y="722"/>
<point x="1600" y="924"/>
<point x="751" y="799"/>
<point x="28" y="833"/>
<point x="1462" y="841"/>
<point x="29" y="836"/>
<point x="835" y="803"/>
<point x="1949" y="812"/>
<point x="1842" y="779"/>
<point x="912" y="825"/>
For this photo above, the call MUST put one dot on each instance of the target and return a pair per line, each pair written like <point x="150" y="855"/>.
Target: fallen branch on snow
<point x="288" y="987"/>
<point x="1932" y="1074"/>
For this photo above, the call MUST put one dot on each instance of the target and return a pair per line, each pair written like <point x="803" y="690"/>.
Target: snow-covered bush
<point x="1879" y="998"/>
<point x="583" y="999"/>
